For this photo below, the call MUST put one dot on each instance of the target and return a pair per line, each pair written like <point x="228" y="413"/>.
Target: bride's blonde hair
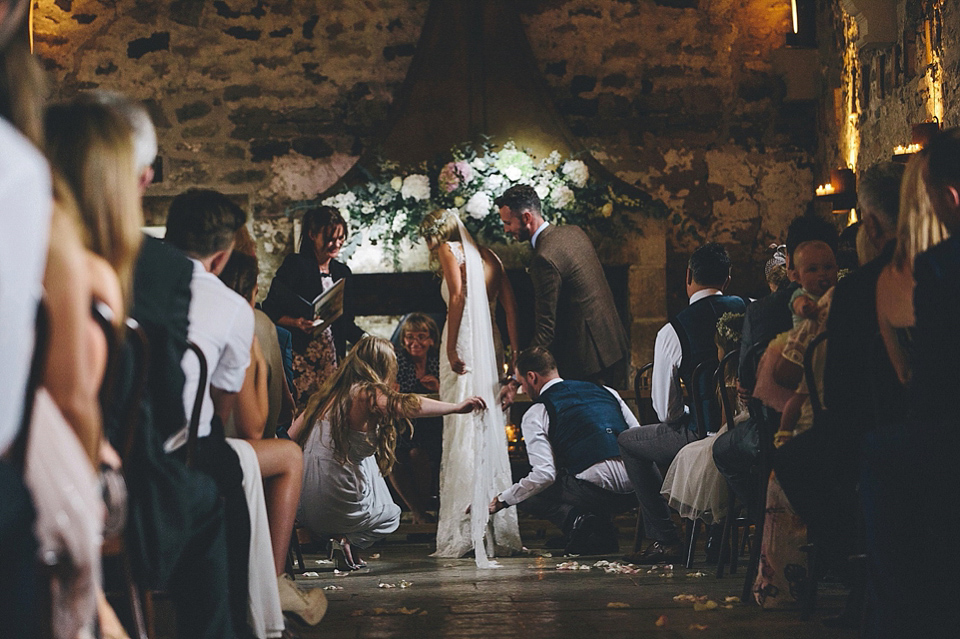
<point x="369" y="371"/>
<point x="440" y="226"/>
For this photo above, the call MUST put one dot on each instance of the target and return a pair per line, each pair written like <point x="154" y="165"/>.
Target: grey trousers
<point x="643" y="449"/>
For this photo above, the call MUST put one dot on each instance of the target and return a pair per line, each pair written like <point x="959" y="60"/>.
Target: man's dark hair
<point x="879" y="191"/>
<point x="807" y="228"/>
<point x="519" y="198"/>
<point x="240" y="274"/>
<point x="536" y="359"/>
<point x="943" y="155"/>
<point x="710" y="265"/>
<point x="202" y="222"/>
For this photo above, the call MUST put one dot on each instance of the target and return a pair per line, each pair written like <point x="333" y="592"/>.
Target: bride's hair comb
<point x="440" y="222"/>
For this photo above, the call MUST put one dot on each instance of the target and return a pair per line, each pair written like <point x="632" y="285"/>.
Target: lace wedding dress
<point x="474" y="466"/>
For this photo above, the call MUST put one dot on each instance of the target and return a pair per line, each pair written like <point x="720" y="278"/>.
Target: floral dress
<point x="317" y="363"/>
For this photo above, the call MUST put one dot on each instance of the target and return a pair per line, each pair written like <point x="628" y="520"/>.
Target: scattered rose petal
<point x="340" y="573"/>
<point x="309" y="575"/>
<point x="697" y="626"/>
<point x="728" y="606"/>
<point x="696" y="574"/>
<point x="375" y="555"/>
<point x="618" y="604"/>
<point x="333" y="587"/>
<point x="405" y="584"/>
<point x="710" y="604"/>
<point x="667" y="575"/>
<point x="323" y="562"/>
<point x="731" y="600"/>
<point x="661" y="621"/>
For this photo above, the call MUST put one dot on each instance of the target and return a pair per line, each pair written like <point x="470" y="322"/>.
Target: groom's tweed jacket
<point x="577" y="319"/>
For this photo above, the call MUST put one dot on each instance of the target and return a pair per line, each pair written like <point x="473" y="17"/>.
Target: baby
<point x="816" y="271"/>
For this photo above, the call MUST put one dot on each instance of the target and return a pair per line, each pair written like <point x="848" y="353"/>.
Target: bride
<point x="474" y="463"/>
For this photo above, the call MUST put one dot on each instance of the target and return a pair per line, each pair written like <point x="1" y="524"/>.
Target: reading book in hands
<point x="325" y="308"/>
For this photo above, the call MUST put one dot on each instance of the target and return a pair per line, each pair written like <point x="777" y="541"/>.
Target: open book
<point x="325" y="308"/>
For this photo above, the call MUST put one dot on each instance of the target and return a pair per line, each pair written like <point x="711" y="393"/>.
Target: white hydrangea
<point x="479" y="205"/>
<point x="561" y="196"/>
<point x="494" y="182"/>
<point x="577" y="172"/>
<point x="513" y="173"/>
<point x="416" y="186"/>
<point x="554" y="157"/>
<point x="342" y="202"/>
<point x="542" y="188"/>
<point x="367" y="208"/>
<point x="396" y="183"/>
<point x="479" y="164"/>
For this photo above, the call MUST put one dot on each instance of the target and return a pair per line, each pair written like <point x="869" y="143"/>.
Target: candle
<point x="825" y="189"/>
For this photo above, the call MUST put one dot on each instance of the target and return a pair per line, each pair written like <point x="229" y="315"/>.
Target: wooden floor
<point x="405" y="593"/>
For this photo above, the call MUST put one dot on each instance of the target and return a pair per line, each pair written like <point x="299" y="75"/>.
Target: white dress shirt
<point x="221" y="324"/>
<point x="26" y="206"/>
<point x="536" y="234"/>
<point x="608" y="474"/>
<point x="665" y="388"/>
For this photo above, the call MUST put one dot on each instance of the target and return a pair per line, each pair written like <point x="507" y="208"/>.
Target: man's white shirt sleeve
<point x="665" y="385"/>
<point x="544" y="467"/>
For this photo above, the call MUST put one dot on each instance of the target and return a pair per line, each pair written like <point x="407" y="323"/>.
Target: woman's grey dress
<point x="351" y="498"/>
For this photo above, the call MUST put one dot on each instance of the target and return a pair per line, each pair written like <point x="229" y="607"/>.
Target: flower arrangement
<point x="385" y="211"/>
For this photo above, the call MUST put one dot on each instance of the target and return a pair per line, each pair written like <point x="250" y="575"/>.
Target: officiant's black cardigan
<point x="301" y="275"/>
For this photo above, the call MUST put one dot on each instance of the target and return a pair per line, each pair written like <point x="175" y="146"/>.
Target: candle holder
<point x="920" y="135"/>
<point x="840" y="192"/>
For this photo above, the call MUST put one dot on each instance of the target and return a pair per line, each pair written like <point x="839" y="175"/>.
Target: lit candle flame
<point x="907" y="150"/>
<point x="825" y="189"/>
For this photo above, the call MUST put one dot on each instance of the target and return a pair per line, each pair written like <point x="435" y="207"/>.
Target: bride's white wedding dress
<point x="474" y="466"/>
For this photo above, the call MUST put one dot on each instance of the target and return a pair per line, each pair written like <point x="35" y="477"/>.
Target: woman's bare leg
<point x="281" y="464"/>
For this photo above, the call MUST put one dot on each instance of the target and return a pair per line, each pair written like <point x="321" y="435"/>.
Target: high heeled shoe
<point x="349" y="559"/>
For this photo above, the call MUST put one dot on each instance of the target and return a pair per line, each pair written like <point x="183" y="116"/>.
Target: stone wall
<point x="274" y="100"/>
<point x="880" y="86"/>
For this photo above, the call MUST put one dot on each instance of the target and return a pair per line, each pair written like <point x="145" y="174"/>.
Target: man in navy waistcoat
<point x="683" y="343"/>
<point x="577" y="479"/>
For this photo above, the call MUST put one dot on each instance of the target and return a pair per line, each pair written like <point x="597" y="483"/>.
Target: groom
<point x="576" y="316"/>
<point x="577" y="480"/>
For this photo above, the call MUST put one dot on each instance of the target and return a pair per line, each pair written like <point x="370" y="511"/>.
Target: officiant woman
<point x="300" y="279"/>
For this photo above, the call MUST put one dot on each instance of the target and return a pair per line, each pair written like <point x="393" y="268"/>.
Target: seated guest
<point x="202" y="224"/>
<point x="349" y="432"/>
<point x="280" y="460"/>
<point x="175" y="527"/>
<point x="735" y="452"/>
<point x="418" y="453"/>
<point x="910" y="477"/>
<point x="682" y="344"/>
<point x="818" y="469"/>
<point x="577" y="479"/>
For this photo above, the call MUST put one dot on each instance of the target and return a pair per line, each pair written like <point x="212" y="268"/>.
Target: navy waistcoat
<point x="585" y="420"/>
<point x="696" y="327"/>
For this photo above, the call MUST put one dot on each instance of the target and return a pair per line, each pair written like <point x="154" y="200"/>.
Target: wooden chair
<point x="768" y="423"/>
<point x="115" y="547"/>
<point x="731" y="524"/>
<point x="640" y="381"/>
<point x="701" y="388"/>
<point x="193" y="430"/>
<point x="808" y="597"/>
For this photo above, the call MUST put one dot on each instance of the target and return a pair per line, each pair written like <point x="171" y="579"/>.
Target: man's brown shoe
<point x="657" y="553"/>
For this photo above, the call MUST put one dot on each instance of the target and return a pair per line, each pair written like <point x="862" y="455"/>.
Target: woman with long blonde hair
<point x="474" y="463"/>
<point x="918" y="228"/>
<point x="349" y="435"/>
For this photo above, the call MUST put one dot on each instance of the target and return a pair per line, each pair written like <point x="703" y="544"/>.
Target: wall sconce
<point x="920" y="135"/>
<point x="803" y="33"/>
<point x="840" y="192"/>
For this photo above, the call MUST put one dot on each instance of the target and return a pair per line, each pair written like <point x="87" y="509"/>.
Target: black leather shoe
<point x="584" y="526"/>
<point x="657" y="553"/>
